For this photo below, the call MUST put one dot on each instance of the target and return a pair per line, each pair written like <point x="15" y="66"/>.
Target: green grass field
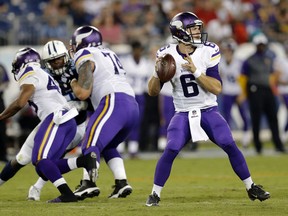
<point x="197" y="186"/>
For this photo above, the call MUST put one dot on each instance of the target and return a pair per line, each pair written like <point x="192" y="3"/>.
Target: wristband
<point x="197" y="73"/>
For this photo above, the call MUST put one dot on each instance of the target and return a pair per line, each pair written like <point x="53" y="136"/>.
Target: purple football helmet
<point x="24" y="56"/>
<point x="85" y="36"/>
<point x="179" y="28"/>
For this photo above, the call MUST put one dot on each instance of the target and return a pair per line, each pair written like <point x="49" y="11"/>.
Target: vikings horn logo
<point x="177" y="23"/>
<point x="79" y="37"/>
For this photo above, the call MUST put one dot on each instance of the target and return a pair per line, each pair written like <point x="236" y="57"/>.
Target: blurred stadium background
<point x="34" y="22"/>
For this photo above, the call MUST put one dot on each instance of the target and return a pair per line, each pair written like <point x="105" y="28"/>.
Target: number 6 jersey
<point x="109" y="75"/>
<point x="187" y="93"/>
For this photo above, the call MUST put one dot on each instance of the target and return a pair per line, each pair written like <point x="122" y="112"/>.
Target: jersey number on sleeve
<point x="210" y="44"/>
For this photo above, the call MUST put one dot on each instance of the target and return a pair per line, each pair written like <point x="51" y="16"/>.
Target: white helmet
<point x="53" y="50"/>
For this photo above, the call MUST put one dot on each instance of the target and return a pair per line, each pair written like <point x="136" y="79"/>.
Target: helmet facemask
<point x="52" y="52"/>
<point x="57" y="71"/>
<point x="196" y="38"/>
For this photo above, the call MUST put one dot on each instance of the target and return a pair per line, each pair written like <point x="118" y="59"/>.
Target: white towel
<point x="59" y="118"/>
<point x="197" y="133"/>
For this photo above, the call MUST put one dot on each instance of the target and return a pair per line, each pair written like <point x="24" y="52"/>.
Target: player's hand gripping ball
<point x="166" y="68"/>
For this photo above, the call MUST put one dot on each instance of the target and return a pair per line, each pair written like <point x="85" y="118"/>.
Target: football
<point x="166" y="68"/>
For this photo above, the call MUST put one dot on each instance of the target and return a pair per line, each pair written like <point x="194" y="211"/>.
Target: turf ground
<point x="197" y="186"/>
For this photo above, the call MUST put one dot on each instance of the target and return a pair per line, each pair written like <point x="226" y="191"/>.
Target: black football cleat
<point x="122" y="189"/>
<point x="153" y="200"/>
<point x="86" y="189"/>
<point x="257" y="192"/>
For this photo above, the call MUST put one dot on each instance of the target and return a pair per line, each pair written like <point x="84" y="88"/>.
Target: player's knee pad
<point x="23" y="159"/>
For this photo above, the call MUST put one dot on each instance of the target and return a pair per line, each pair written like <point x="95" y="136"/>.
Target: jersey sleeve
<point x="159" y="53"/>
<point x="214" y="55"/>
<point x="31" y="80"/>
<point x="28" y="77"/>
<point x="81" y="57"/>
<point x="163" y="50"/>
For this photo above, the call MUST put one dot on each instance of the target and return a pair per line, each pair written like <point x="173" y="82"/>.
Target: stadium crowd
<point x="122" y="22"/>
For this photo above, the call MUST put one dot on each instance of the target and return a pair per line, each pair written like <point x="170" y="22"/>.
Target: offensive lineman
<point x="101" y="78"/>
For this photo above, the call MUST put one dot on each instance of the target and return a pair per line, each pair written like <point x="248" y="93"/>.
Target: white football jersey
<point x="137" y="74"/>
<point x="230" y="74"/>
<point x="187" y="94"/>
<point x="47" y="97"/>
<point x="108" y="76"/>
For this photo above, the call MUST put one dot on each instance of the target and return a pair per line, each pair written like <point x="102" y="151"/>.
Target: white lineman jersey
<point x="230" y="74"/>
<point x="108" y="76"/>
<point x="47" y="97"/>
<point x="187" y="93"/>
